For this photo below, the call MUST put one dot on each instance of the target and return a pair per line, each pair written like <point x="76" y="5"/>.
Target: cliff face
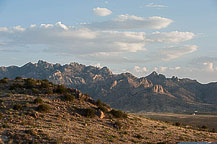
<point x="125" y="91"/>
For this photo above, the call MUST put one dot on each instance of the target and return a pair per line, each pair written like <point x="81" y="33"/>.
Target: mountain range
<point x="153" y="93"/>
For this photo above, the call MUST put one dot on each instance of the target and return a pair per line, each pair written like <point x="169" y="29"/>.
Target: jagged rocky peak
<point x="105" y="70"/>
<point x="155" y="76"/>
<point x="44" y="64"/>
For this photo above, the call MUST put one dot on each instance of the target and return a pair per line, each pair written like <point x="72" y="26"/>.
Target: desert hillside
<point x="37" y="111"/>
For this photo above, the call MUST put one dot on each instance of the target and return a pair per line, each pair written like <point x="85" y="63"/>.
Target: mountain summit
<point x="154" y="93"/>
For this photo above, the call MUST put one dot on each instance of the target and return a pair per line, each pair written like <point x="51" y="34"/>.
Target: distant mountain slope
<point x="154" y="93"/>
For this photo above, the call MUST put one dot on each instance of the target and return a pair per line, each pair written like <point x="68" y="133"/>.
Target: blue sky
<point x="173" y="37"/>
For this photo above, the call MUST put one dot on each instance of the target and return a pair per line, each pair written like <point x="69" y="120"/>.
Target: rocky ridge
<point x="153" y="93"/>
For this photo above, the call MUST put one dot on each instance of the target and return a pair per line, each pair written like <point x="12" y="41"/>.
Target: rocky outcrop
<point x="158" y="89"/>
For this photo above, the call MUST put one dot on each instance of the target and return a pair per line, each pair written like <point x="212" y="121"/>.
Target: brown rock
<point x="100" y="114"/>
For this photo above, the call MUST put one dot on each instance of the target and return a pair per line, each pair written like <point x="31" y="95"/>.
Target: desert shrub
<point x="118" y="125"/>
<point x="15" y="86"/>
<point x="18" y="78"/>
<point x="138" y="136"/>
<point x="89" y="112"/>
<point x="61" y="89"/>
<point x="30" y="83"/>
<point x="204" y="127"/>
<point x="38" y="101"/>
<point x="68" y="97"/>
<point x="1" y="115"/>
<point x="101" y="106"/>
<point x="43" y="108"/>
<point x="3" y="80"/>
<point x="98" y="102"/>
<point x="45" y="84"/>
<point x="48" y="91"/>
<point x="5" y="125"/>
<point x="35" y="91"/>
<point x="118" y="114"/>
<point x="213" y="130"/>
<point x="177" y="124"/>
<point x="17" y="107"/>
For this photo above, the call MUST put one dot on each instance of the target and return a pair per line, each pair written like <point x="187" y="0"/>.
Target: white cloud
<point x="209" y="66"/>
<point x="19" y="28"/>
<point x="175" y="68"/>
<point x="163" y="69"/>
<point x="102" y="11"/>
<point x="3" y="29"/>
<point x="171" y="53"/>
<point x="102" y="45"/>
<point x="65" y="39"/>
<point x="170" y="37"/>
<point x="131" y="22"/>
<point x="138" y="69"/>
<point x="155" y="5"/>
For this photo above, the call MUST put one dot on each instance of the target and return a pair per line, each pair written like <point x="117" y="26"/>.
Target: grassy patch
<point x="43" y="108"/>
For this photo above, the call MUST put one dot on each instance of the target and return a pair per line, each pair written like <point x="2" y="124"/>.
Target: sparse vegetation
<point x="17" y="107"/>
<point x="89" y="112"/>
<point x="43" y="108"/>
<point x="30" y="83"/>
<point x="4" y="80"/>
<point x="69" y="97"/>
<point x="204" y="127"/>
<point x="118" y="113"/>
<point x="1" y="101"/>
<point x="177" y="124"/>
<point x="101" y="106"/>
<point x="45" y="84"/>
<point x="38" y="101"/>
<point x="1" y="115"/>
<point x="61" y="89"/>
<point x="18" y="78"/>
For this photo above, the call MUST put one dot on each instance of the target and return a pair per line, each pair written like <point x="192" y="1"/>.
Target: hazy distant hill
<point x="124" y="91"/>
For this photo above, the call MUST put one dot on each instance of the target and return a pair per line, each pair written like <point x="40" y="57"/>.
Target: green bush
<point x="43" y="108"/>
<point x="118" y="114"/>
<point x="17" y="107"/>
<point x="118" y="125"/>
<point x="3" y="80"/>
<point x="69" y="97"/>
<point x="61" y="89"/>
<point x="177" y="124"/>
<point x="18" y="78"/>
<point x="45" y="84"/>
<point x="48" y="91"/>
<point x="35" y="91"/>
<point x="90" y="113"/>
<point x="38" y="101"/>
<point x="213" y="130"/>
<point x="204" y="127"/>
<point x="1" y="115"/>
<point x="30" y="83"/>
<point x="101" y="106"/>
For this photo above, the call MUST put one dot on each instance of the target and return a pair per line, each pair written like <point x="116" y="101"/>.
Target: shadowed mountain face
<point x="154" y="93"/>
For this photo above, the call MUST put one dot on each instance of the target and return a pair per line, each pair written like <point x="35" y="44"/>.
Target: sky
<point x="172" y="37"/>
